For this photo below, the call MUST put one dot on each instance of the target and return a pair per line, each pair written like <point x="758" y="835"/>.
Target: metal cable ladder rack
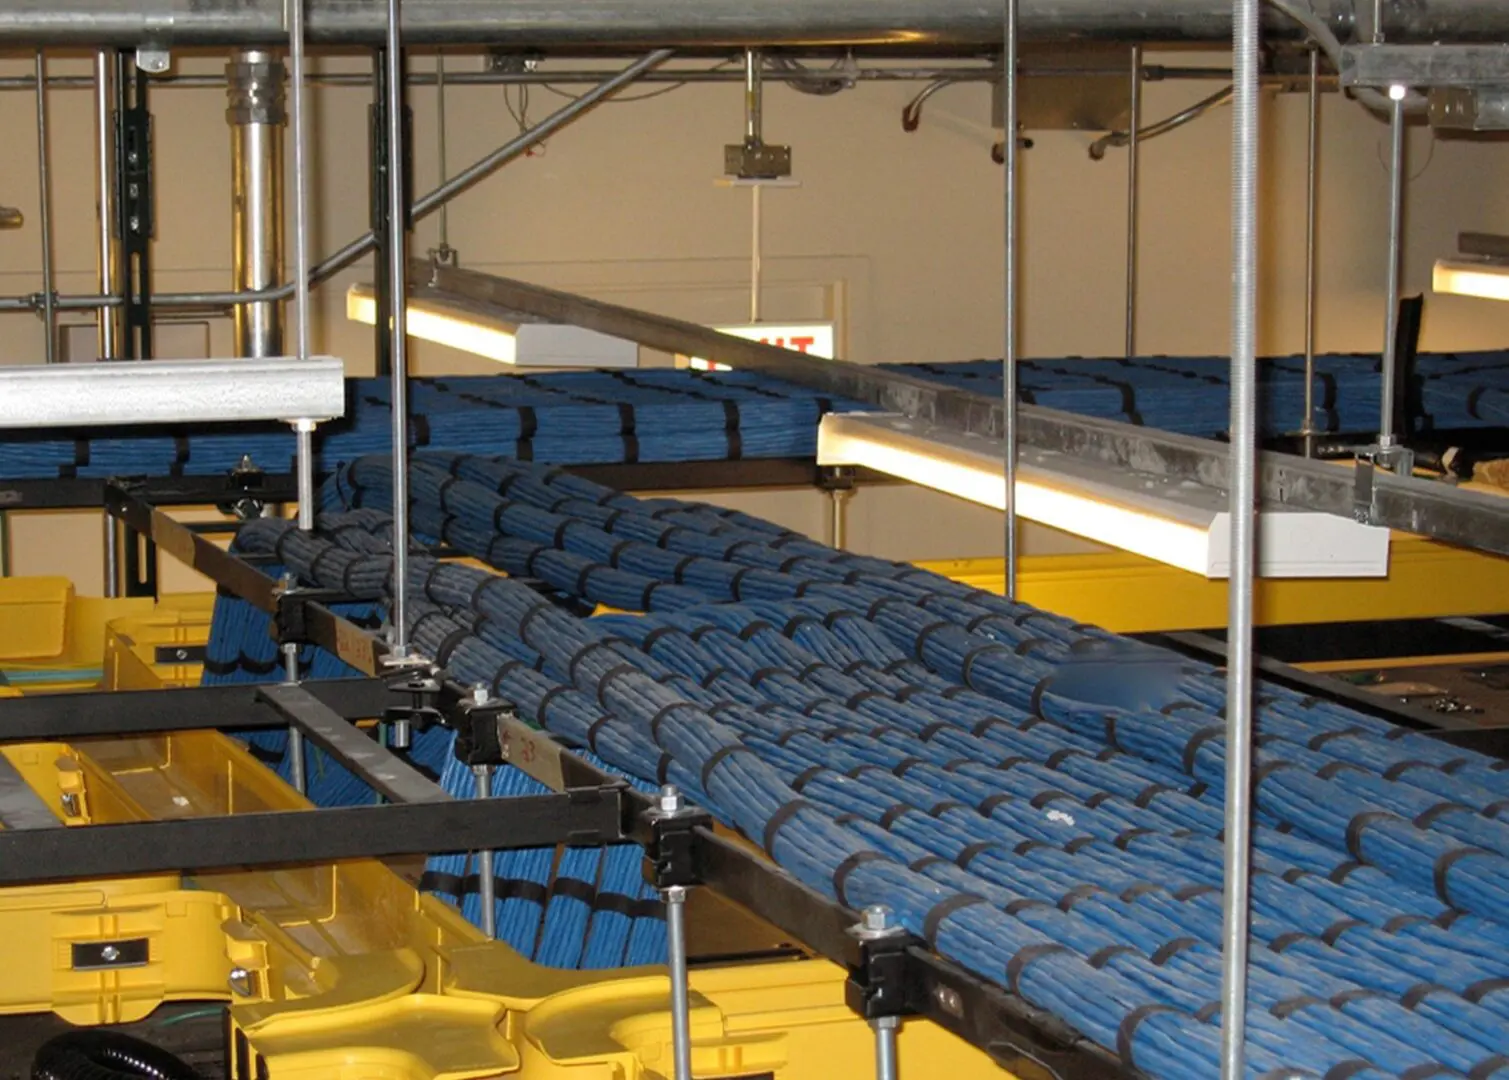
<point x="890" y="975"/>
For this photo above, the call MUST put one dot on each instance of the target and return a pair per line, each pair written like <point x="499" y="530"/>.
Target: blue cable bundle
<point x="1191" y="395"/>
<point x="611" y="917"/>
<point x="662" y="415"/>
<point x="1040" y="801"/>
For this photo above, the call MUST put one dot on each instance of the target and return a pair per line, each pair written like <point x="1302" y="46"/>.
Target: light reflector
<point x="1180" y="524"/>
<point x="458" y="323"/>
<point x="1460" y="277"/>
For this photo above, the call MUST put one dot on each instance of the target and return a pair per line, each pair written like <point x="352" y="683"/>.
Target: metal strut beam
<point x="635" y="23"/>
<point x="1469" y="519"/>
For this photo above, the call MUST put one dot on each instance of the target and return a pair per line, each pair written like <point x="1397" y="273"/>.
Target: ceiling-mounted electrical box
<point x="1078" y="90"/>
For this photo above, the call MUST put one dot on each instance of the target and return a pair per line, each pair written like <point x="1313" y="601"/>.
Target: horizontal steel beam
<point x="293" y="837"/>
<point x="1467" y="518"/>
<point x="1425" y="65"/>
<point x="377" y="766"/>
<point x="171" y="392"/>
<point x="62" y="717"/>
<point x="556" y="24"/>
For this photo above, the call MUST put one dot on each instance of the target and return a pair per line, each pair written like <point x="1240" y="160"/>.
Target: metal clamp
<point x="419" y="713"/>
<point x="879" y="987"/>
<point x="670" y="865"/>
<point x="670" y="853"/>
<point x="474" y="717"/>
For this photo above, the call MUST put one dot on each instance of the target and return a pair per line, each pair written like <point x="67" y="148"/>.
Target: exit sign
<point x="814" y="339"/>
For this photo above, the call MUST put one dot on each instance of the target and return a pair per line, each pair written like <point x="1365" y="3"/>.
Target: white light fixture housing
<point x="509" y="338"/>
<point x="1174" y="522"/>
<point x="1486" y="278"/>
<point x="172" y="392"/>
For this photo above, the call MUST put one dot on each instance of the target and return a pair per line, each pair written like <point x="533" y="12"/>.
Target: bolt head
<point x="877" y="917"/>
<point x="240" y="982"/>
<point x="671" y="801"/>
<point x="110" y="954"/>
<point x="480" y="694"/>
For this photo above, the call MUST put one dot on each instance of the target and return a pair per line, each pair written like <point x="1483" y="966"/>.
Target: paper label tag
<point x="532" y="753"/>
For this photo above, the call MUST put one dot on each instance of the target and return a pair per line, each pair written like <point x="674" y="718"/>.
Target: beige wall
<point x="901" y="233"/>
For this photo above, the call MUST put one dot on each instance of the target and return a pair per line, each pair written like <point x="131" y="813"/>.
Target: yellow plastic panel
<point x="1129" y="594"/>
<point x="34" y="617"/>
<point x="132" y="643"/>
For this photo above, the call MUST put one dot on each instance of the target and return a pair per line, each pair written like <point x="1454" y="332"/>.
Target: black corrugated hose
<point x="106" y="1055"/>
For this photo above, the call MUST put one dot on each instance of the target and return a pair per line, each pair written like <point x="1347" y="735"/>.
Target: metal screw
<point x="948" y="1000"/>
<point x="71" y="804"/>
<point x="670" y="799"/>
<point x="877" y="918"/>
<point x="240" y="982"/>
<point x="401" y="735"/>
<point x="110" y="954"/>
<point x="480" y="694"/>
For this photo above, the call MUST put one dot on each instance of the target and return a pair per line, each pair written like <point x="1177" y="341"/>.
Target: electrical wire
<point x="1184" y="116"/>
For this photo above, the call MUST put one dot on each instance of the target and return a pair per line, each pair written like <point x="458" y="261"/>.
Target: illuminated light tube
<point x="1460" y="277"/>
<point x="475" y="328"/>
<point x="1180" y="524"/>
<point x="172" y="392"/>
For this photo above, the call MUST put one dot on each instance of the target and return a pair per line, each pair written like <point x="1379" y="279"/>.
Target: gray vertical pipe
<point x="107" y="319"/>
<point x="305" y="426"/>
<point x="1386" y="433"/>
<point x="398" y="261"/>
<point x="1312" y="186"/>
<point x="482" y="776"/>
<point x="1134" y="147"/>
<point x="1236" y="896"/>
<point x="675" y="936"/>
<point x="44" y="216"/>
<point x="255" y="112"/>
<point x="1008" y="362"/>
<point x="104" y="160"/>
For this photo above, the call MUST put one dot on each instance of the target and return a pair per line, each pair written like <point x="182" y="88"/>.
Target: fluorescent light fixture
<point x="172" y="392"/>
<point x="812" y="338"/>
<point x="458" y="323"/>
<point x="1177" y="523"/>
<point x="1468" y="277"/>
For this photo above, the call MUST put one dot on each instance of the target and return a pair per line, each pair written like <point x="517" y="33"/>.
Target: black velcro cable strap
<point x="1425" y="820"/>
<point x="731" y="429"/>
<point x="1443" y="867"/>
<point x="1025" y="957"/>
<point x="1127" y="1029"/>
<point x="717" y="757"/>
<point x="1170" y="949"/>
<point x="778" y="821"/>
<point x="933" y="920"/>
<point x="1479" y="990"/>
<point x="1344" y="1071"/>
<point x="1102" y="957"/>
<point x="1487" y="1067"/>
<point x="1197" y="740"/>
<point x="1288" y="1007"/>
<point x="1358" y="825"/>
<point x="845" y="868"/>
<point x="1412" y="997"/>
